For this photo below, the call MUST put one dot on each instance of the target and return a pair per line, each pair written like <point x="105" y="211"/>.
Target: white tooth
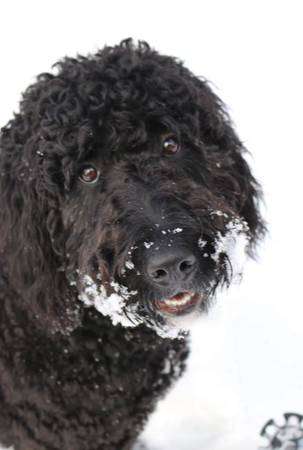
<point x="185" y="299"/>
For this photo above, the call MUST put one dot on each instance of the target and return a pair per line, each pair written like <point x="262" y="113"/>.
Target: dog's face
<point x="151" y="235"/>
<point x="134" y="164"/>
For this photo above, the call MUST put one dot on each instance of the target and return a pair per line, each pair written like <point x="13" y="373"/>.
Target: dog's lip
<point x="181" y="303"/>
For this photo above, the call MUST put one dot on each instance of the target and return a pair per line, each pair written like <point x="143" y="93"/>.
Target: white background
<point x="246" y="363"/>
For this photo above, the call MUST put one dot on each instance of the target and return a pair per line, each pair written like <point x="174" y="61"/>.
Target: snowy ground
<point x="246" y="362"/>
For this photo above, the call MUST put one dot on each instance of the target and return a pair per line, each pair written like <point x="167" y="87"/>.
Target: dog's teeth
<point x="185" y="299"/>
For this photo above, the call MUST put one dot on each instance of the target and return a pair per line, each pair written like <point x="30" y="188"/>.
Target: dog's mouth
<point x="179" y="304"/>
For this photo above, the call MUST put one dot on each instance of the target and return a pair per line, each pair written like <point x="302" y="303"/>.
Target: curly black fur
<point x="69" y="378"/>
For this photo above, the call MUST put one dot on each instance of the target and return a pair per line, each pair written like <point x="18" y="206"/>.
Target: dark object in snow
<point x="288" y="436"/>
<point x="123" y="187"/>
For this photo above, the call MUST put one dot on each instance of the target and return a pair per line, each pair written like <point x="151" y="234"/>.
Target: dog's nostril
<point x="187" y="264"/>
<point x="169" y="268"/>
<point x="159" y="274"/>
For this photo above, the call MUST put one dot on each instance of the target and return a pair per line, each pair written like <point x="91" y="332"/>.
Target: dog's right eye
<point x="170" y="145"/>
<point x="89" y="175"/>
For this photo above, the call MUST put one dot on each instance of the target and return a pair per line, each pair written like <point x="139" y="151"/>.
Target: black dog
<point x="123" y="192"/>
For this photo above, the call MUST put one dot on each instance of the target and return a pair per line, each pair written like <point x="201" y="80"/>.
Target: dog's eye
<point x="89" y="175"/>
<point x="170" y="145"/>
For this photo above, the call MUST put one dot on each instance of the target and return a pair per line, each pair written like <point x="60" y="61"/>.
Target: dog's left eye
<point x="89" y="175"/>
<point x="170" y="145"/>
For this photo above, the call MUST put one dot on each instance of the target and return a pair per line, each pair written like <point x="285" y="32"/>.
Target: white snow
<point x="129" y="265"/>
<point x="201" y="243"/>
<point x="112" y="305"/>
<point x="148" y="244"/>
<point x="177" y="230"/>
<point x="233" y="244"/>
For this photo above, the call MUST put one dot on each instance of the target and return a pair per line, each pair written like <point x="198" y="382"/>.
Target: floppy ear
<point x="226" y="157"/>
<point x="32" y="244"/>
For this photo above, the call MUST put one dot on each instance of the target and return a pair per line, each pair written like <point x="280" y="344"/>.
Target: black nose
<point x="170" y="267"/>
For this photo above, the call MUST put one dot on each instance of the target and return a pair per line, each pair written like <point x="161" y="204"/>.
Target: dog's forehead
<point x="134" y="145"/>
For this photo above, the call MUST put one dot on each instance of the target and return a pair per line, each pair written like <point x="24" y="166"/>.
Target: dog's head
<point x="125" y="185"/>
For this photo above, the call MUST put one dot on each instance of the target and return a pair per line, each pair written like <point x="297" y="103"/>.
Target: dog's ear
<point x="32" y="253"/>
<point x="226" y="156"/>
